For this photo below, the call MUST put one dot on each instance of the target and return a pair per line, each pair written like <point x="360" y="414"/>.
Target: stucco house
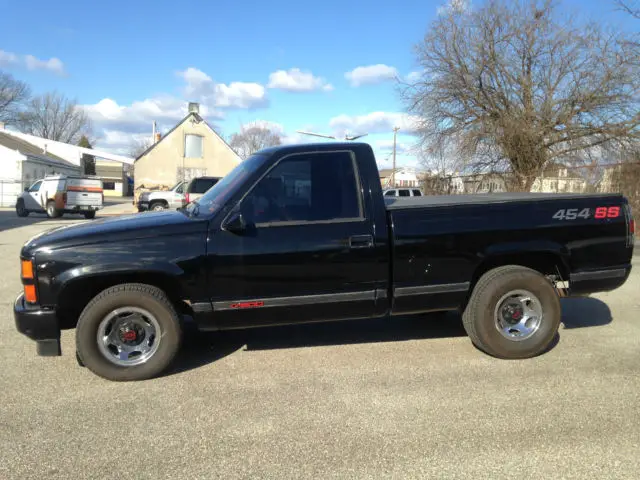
<point x="191" y="149"/>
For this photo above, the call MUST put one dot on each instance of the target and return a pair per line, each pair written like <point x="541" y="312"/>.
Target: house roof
<point x="200" y="119"/>
<point x="26" y="148"/>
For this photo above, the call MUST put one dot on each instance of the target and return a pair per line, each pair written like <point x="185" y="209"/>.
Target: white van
<point x="59" y="194"/>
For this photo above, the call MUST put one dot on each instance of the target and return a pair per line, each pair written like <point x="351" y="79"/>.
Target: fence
<point x="9" y="191"/>
<point x="621" y="178"/>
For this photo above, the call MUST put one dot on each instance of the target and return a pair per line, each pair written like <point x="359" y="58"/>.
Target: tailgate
<point x="84" y="192"/>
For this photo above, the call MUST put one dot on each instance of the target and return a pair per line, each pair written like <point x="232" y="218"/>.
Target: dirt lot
<point x="408" y="398"/>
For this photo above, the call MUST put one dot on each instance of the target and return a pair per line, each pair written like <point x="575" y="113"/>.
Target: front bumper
<point x="142" y="206"/>
<point x="38" y="324"/>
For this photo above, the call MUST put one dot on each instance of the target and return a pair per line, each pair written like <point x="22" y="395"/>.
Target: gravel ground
<point x="408" y="398"/>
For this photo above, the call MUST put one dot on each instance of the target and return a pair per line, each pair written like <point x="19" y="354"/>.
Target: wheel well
<point x="546" y="263"/>
<point x="75" y="296"/>
<point x="158" y="200"/>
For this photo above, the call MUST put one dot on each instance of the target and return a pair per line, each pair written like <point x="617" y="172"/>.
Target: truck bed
<point x="395" y="203"/>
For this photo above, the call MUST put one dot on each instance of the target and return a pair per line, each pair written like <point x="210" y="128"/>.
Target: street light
<point x="346" y="137"/>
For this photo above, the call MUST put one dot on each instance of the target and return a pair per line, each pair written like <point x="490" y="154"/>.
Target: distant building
<point x="191" y="149"/>
<point x="22" y="163"/>
<point x="558" y="180"/>
<point x="404" y="177"/>
<point x="111" y="168"/>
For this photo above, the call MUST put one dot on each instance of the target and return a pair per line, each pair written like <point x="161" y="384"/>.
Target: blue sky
<point x="324" y="66"/>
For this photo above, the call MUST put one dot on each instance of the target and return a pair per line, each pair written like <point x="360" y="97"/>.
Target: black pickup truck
<point x="302" y="233"/>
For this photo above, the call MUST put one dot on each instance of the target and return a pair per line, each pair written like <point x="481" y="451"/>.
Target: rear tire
<point x="52" y="212"/>
<point x="128" y="306"/>
<point x="514" y="312"/>
<point x="21" y="211"/>
<point x="90" y="215"/>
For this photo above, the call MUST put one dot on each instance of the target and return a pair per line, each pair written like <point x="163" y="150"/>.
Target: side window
<point x="404" y="193"/>
<point x="417" y="193"/>
<point x="390" y="193"/>
<point x="180" y="189"/>
<point x="203" y="184"/>
<point x="306" y="188"/>
<point x="35" y="187"/>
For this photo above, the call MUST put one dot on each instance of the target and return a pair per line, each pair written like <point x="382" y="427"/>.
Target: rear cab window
<point x="417" y="193"/>
<point x="404" y="193"/>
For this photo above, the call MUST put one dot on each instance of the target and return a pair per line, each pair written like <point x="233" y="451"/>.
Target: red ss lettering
<point x="610" y="212"/>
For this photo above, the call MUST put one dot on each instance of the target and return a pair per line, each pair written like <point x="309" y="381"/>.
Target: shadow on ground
<point x="202" y="348"/>
<point x="584" y="312"/>
<point x="9" y="220"/>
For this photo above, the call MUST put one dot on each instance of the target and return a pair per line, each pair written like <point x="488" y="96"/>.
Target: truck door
<point x="308" y="251"/>
<point x="32" y="201"/>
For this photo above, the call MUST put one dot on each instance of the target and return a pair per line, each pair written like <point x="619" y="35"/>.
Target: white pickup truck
<point x="56" y="195"/>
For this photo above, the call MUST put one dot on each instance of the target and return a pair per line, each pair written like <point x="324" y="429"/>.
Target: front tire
<point x="514" y="312"/>
<point x="21" y="210"/>
<point x="128" y="332"/>
<point x="157" y="207"/>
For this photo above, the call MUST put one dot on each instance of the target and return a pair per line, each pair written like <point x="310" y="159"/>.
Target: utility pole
<point x="393" y="172"/>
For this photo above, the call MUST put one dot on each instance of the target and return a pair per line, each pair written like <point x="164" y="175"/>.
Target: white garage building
<point x="22" y="163"/>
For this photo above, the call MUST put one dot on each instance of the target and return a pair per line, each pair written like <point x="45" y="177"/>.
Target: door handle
<point x="361" y="241"/>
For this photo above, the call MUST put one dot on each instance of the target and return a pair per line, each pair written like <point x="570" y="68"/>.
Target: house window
<point x="193" y="146"/>
<point x="108" y="185"/>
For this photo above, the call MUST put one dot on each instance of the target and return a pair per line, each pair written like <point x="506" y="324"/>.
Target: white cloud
<point x="413" y="77"/>
<point x="53" y="65"/>
<point x="201" y="86"/>
<point x="374" y="122"/>
<point x="296" y="80"/>
<point x="454" y="6"/>
<point x="371" y="74"/>
<point x="116" y="124"/>
<point x="8" y="59"/>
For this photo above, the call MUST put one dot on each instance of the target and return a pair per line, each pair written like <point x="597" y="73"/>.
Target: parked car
<point x="302" y="233"/>
<point x="56" y="195"/>
<point x="198" y="186"/>
<point x="156" y="200"/>
<point x="402" y="192"/>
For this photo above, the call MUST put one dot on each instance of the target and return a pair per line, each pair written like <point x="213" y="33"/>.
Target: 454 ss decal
<point x="586" y="213"/>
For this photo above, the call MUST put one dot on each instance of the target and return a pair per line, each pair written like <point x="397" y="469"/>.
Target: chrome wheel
<point x="518" y="315"/>
<point x="157" y="207"/>
<point x="128" y="336"/>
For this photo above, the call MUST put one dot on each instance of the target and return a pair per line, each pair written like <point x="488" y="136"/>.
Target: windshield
<point x="217" y="196"/>
<point x="176" y="186"/>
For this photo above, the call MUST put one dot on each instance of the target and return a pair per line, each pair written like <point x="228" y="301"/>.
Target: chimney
<point x="194" y="107"/>
<point x="158" y="137"/>
<point x="44" y="149"/>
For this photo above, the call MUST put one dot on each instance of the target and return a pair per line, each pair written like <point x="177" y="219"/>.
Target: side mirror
<point x="26" y="189"/>
<point x="235" y="223"/>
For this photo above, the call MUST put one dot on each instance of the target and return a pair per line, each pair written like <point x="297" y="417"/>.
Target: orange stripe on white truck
<point x="71" y="188"/>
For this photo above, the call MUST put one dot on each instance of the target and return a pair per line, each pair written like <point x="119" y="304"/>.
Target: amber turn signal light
<point x="27" y="269"/>
<point x="30" y="293"/>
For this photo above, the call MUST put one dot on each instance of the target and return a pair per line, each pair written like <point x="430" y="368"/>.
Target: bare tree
<point x="13" y="94"/>
<point x="138" y="145"/>
<point x="511" y="86"/>
<point x="252" y="138"/>
<point x="55" y="117"/>
<point x="632" y="7"/>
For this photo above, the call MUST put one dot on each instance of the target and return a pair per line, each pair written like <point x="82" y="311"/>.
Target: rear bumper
<point x="604" y="280"/>
<point x="82" y="208"/>
<point x="38" y="324"/>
